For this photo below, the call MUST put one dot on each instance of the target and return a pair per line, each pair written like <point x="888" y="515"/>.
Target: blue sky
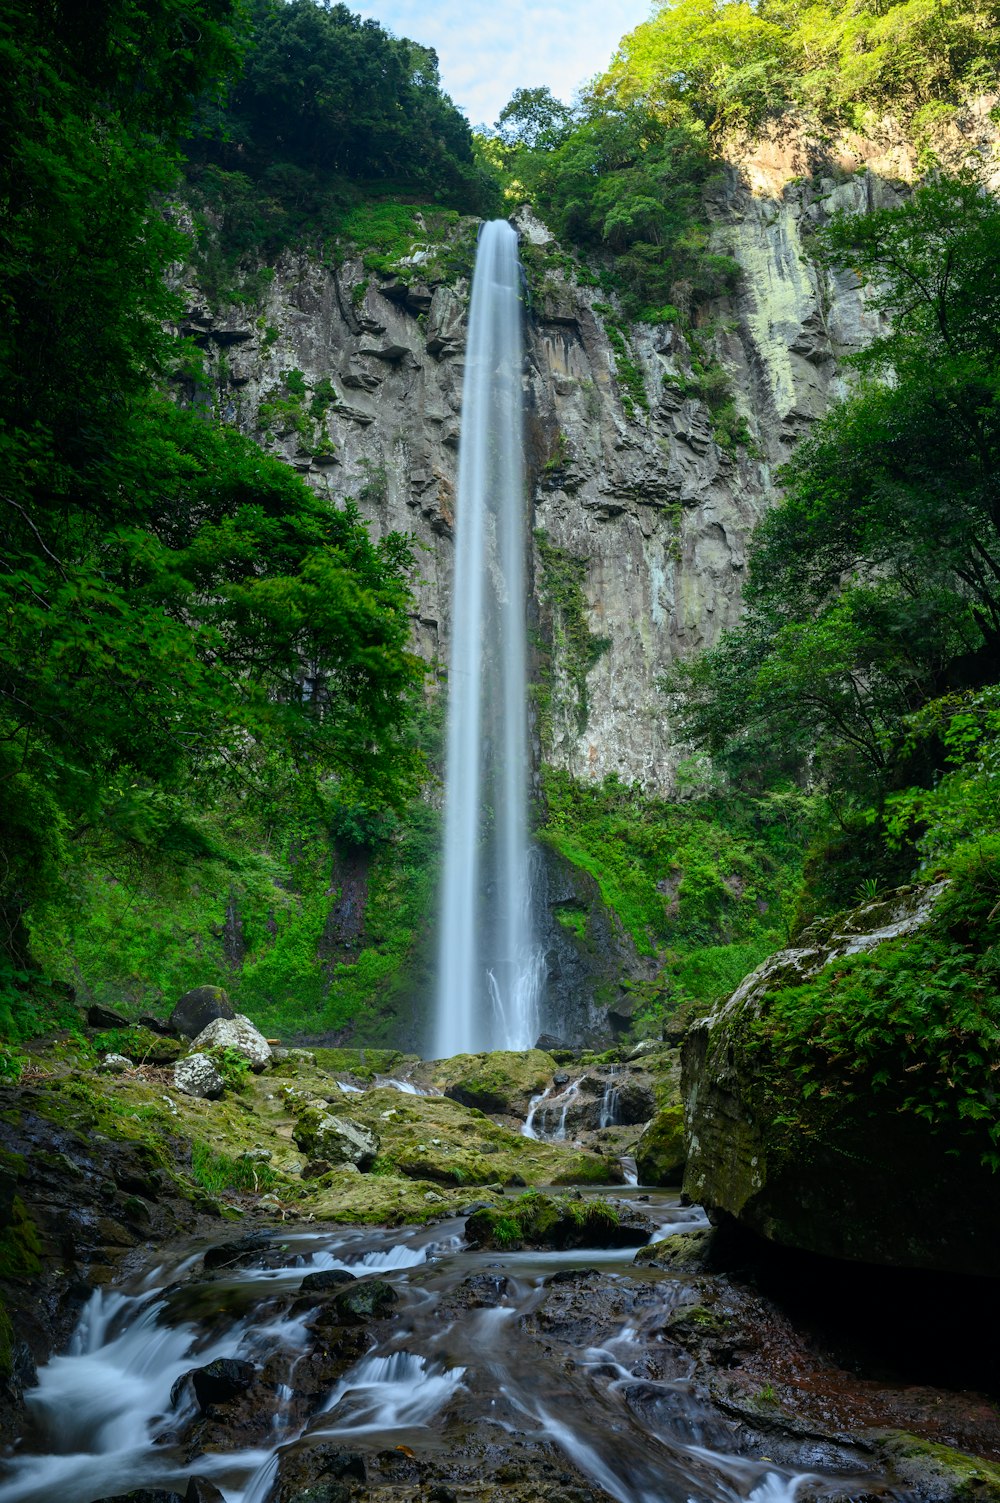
<point x="488" y="48"/>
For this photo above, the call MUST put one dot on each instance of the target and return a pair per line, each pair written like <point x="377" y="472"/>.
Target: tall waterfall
<point x="490" y="968"/>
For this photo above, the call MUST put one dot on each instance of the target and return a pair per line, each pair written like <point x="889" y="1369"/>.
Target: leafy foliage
<point x="708" y="885"/>
<point x="165" y="588"/>
<point x="330" y="110"/>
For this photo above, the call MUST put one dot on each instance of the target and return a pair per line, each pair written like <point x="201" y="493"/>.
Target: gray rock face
<point x="197" y="1076"/>
<point x="197" y="1008"/>
<point x="335" y="1140"/>
<point x="239" y="1034"/>
<point x="656" y="501"/>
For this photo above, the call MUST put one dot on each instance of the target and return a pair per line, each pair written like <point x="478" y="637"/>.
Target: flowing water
<point x="527" y="1357"/>
<point x="490" y="967"/>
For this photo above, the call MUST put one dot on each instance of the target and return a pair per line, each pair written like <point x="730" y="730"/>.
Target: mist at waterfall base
<point x="490" y="966"/>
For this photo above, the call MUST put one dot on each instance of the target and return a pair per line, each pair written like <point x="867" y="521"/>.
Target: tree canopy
<point x="165" y="587"/>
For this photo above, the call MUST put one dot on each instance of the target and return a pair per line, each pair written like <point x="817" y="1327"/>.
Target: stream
<point x="485" y="1354"/>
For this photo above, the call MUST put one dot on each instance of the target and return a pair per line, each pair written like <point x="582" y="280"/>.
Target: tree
<point x="163" y="585"/>
<point x="875" y="584"/>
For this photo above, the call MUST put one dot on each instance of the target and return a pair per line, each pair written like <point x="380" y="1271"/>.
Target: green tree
<point x="164" y="587"/>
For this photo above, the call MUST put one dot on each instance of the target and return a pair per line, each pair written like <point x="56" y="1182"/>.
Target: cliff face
<point x="656" y="505"/>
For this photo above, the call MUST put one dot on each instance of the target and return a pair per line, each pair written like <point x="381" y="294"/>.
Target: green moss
<point x="918" y="1461"/>
<point x="575" y="649"/>
<point x="659" y="1156"/>
<point x="219" y="1174"/>
<point x="20" y="1245"/>
<point x="708" y="885"/>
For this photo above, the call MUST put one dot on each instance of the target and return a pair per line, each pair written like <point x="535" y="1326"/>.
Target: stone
<point x="325" y="1279"/>
<point x="145" y="1495"/>
<point x="239" y="1034"/>
<point x="155" y="1025"/>
<point x="660" y="1154"/>
<point x="104" y="1017"/>
<point x="367" y="1299"/>
<point x="197" y="1008"/>
<point x="249" y="1248"/>
<point x="690" y="1251"/>
<point x="197" y="1076"/>
<point x="540" y="1221"/>
<point x="502" y="1083"/>
<point x="219" y="1382"/>
<point x="115" y="1064"/>
<point x="200" y="1490"/>
<point x="335" y="1139"/>
<point x="841" y="1173"/>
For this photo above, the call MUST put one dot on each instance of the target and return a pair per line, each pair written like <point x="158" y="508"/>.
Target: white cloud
<point x="487" y="52"/>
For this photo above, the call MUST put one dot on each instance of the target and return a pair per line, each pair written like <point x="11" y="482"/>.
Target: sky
<point x="487" y="49"/>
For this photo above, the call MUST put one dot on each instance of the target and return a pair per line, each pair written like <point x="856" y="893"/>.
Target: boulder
<point x="197" y="1076"/>
<point x="838" y="1169"/>
<point x="103" y="1017"/>
<point x="502" y="1082"/>
<point x="367" y="1299"/>
<point x="659" y="1155"/>
<point x="197" y="1008"/>
<point x="541" y="1221"/>
<point x="222" y="1380"/>
<point x="145" y="1495"/>
<point x="155" y="1025"/>
<point x="324" y="1280"/>
<point x="200" y="1490"/>
<point x="335" y="1140"/>
<point x="115" y="1064"/>
<point x="240" y="1035"/>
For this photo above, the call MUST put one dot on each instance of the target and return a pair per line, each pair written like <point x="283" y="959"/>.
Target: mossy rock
<point x="688" y="1252"/>
<point x="501" y="1083"/>
<point x="141" y="1045"/>
<point x="659" y="1156"/>
<point x="935" y="1473"/>
<point x="544" y="1222"/>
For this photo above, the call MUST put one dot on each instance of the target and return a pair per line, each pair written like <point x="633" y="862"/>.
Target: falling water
<point x="490" y="968"/>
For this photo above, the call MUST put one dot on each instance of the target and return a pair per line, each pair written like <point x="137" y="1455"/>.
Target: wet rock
<point x="220" y="1382"/>
<point x="104" y="1017"/>
<point x="502" y="1082"/>
<point x="144" y="1495"/>
<point x="325" y="1279"/>
<point x="200" y="1490"/>
<point x="540" y="1221"/>
<point x="115" y="1064"/>
<point x="197" y="1076"/>
<point x="932" y="1473"/>
<point x="197" y="1008"/>
<point x="690" y="1251"/>
<point x="320" y="1474"/>
<point x="659" y="1155"/>
<point x="240" y="1035"/>
<point x="335" y="1140"/>
<point x="246" y="1251"/>
<point x="368" y="1299"/>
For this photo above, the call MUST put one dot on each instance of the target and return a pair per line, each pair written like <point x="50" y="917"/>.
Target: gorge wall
<point x="655" y="505"/>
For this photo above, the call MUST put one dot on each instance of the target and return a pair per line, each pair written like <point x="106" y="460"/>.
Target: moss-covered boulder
<point x="839" y="1102"/>
<point x="535" y="1220"/>
<point x="501" y="1083"/>
<point x="659" y="1155"/>
<point x="435" y="1138"/>
<point x="935" y="1473"/>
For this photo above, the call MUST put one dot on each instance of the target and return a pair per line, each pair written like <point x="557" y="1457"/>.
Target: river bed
<point x="554" y="1370"/>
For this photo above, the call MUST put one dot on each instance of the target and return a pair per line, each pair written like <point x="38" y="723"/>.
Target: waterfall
<point x="490" y="970"/>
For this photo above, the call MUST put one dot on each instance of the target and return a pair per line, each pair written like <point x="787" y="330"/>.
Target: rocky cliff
<point x="641" y="500"/>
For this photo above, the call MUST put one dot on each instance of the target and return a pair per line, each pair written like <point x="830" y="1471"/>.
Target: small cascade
<point x="568" y="1097"/>
<point x="536" y="1103"/>
<point x="111" y="1417"/>
<point x="610" y="1112"/>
